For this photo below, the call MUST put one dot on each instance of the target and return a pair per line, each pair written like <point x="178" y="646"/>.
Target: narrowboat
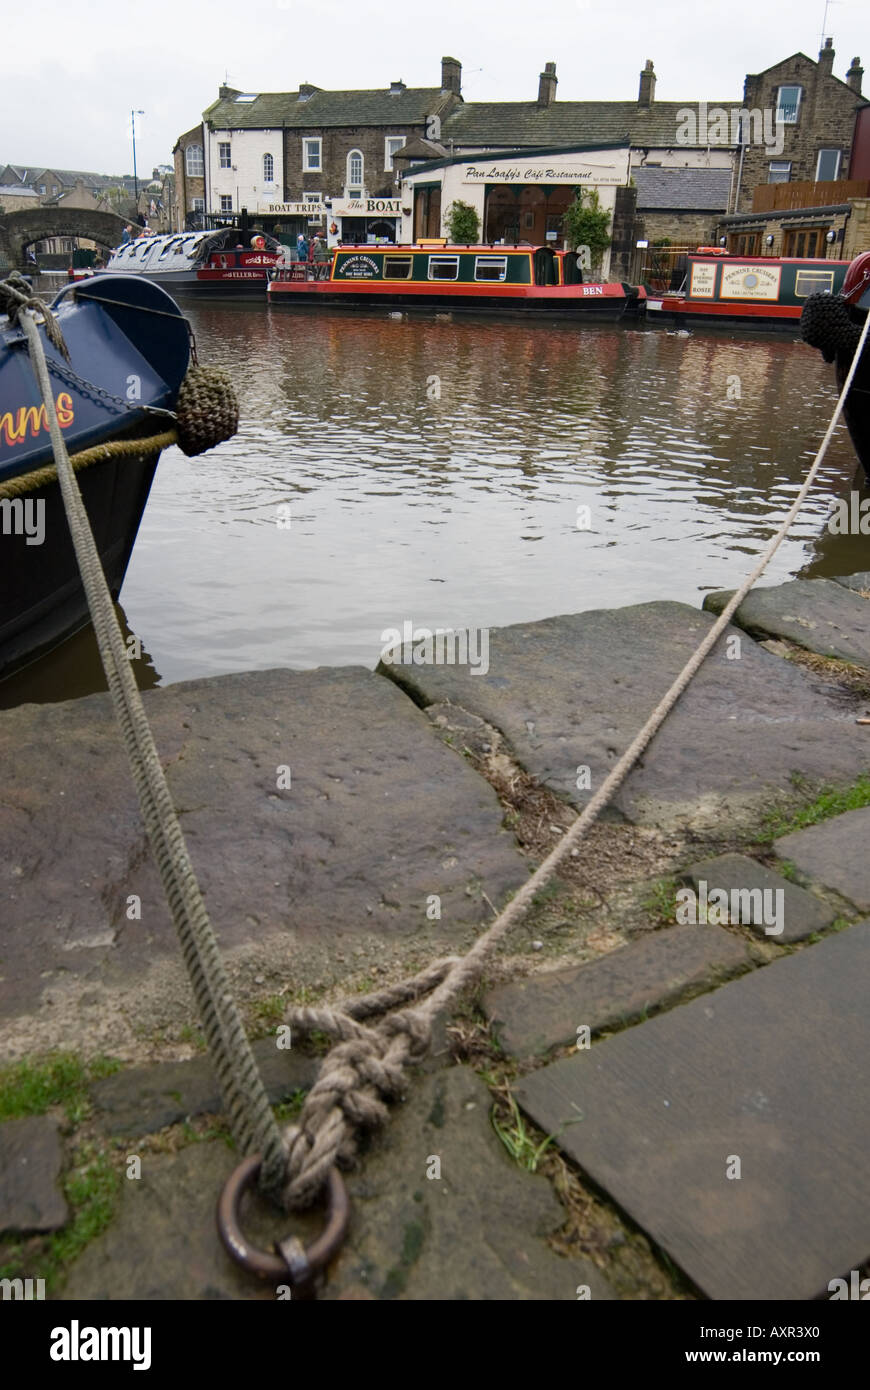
<point x="229" y="262"/>
<point x="129" y="349"/>
<point x="527" y="280"/>
<point x="745" y="291"/>
<point x="833" y="324"/>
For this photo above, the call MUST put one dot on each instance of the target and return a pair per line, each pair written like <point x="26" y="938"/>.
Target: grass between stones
<point x="91" y="1181"/>
<point x="827" y="802"/>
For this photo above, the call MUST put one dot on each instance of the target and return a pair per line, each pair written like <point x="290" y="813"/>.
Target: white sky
<point x="81" y="68"/>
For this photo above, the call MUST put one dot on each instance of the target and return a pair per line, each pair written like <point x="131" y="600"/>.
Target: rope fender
<point x="826" y="324"/>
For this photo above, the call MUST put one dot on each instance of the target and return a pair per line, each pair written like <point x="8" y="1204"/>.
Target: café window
<point x="827" y="166"/>
<point x="398" y="267"/>
<point x="443" y="267"/>
<point x="225" y="154"/>
<point x="779" y="171"/>
<point x="194" y="161"/>
<point x="311" y="156"/>
<point x="788" y="101"/>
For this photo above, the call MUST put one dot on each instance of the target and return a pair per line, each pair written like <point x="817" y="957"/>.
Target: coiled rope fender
<point x="826" y="324"/>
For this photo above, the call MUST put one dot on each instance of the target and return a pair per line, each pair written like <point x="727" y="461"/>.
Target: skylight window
<point x="247" y="96"/>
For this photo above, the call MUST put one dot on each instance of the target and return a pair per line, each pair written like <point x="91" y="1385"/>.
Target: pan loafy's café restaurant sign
<point x="521" y="171"/>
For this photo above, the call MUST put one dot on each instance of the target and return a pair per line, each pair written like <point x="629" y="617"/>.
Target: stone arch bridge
<point x="18" y="230"/>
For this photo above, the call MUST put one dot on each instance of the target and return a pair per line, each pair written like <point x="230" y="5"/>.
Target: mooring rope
<point x="365" y="1068"/>
<point x="100" y="453"/>
<point x="250" y="1116"/>
<point x="366" y="1063"/>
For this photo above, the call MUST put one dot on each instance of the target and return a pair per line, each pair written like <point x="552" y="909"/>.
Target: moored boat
<point x="833" y="324"/>
<point x="527" y="280"/>
<point x="229" y="262"/>
<point x="747" y="292"/>
<point x="115" y="398"/>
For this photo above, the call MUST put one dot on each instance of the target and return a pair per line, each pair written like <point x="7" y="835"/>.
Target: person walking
<point x="320" y="257"/>
<point x="302" y="247"/>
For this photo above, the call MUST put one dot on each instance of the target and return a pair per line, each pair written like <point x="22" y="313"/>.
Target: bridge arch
<point x="18" y="230"/>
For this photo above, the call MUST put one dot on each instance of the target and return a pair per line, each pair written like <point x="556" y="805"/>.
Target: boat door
<point x="546" y="267"/>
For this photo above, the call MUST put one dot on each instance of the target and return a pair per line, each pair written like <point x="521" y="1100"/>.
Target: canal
<point x="458" y="473"/>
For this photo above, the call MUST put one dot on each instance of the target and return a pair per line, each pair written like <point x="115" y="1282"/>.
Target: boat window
<point x="443" y="267"/>
<point x="813" y="282"/>
<point x="398" y="267"/>
<point x="490" y="268"/>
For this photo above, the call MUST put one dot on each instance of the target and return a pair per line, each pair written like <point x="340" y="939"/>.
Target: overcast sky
<point x="81" y="68"/>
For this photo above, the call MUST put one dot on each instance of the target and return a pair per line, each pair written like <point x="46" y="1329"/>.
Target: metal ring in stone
<point x="298" y="1263"/>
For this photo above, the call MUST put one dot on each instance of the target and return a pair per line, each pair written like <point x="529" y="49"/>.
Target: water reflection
<point x="434" y="469"/>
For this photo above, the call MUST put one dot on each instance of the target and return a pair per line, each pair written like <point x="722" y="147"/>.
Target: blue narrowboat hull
<point x="129" y="349"/>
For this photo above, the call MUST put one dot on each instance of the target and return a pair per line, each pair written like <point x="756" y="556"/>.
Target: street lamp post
<point x="133" y="115"/>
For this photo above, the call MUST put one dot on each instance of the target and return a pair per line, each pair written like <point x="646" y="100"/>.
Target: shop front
<point x="287" y="221"/>
<point x="519" y="196"/>
<point x="363" y="220"/>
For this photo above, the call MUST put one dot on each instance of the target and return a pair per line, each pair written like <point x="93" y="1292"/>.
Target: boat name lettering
<point x="14" y="429"/>
<point x="593" y="289"/>
<point x="359" y="267"/>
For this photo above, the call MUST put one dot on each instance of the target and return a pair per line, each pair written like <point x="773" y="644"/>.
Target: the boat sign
<point x="751" y="281"/>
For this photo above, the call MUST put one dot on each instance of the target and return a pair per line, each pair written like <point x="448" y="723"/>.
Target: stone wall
<point x="336" y="144"/>
<point x="679" y="228"/>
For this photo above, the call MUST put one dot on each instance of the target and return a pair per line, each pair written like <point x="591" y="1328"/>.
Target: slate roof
<point x="682" y="190"/>
<point x="271" y="110"/>
<point x="68" y="177"/>
<point x="518" y="123"/>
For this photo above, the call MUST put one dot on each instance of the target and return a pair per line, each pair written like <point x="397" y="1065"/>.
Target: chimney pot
<point x="647" y="89"/>
<point x="451" y="75"/>
<point x="854" y="76"/>
<point x="547" y="85"/>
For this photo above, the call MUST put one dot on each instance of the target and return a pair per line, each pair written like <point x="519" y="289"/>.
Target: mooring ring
<point x="300" y="1262"/>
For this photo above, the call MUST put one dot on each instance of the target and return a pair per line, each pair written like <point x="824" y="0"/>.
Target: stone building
<point x="816" y="114"/>
<point x="189" y="159"/>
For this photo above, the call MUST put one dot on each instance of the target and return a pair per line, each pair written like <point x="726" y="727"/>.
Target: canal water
<point x="457" y="473"/>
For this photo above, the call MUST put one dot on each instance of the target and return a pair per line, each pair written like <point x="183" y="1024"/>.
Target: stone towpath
<point x="703" y="1072"/>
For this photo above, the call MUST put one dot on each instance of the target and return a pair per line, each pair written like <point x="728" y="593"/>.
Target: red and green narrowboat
<point x="526" y="280"/>
<point x="745" y="291"/>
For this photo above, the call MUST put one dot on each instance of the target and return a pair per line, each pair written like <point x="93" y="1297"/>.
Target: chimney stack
<point x="826" y="58"/>
<point x="854" y="75"/>
<point x="547" y="85"/>
<point x="647" y="90"/>
<point x="451" y="75"/>
<point x="397" y="88"/>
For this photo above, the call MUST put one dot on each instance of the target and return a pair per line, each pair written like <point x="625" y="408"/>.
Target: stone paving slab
<point x="859" y="582"/>
<point x="379" y="815"/>
<point x="820" y="615"/>
<point x="835" y="852"/>
<point x="792" y="917"/>
<point x="31" y="1155"/>
<point x="533" y="1015"/>
<point x="141" y="1100"/>
<point x="573" y="691"/>
<point x="772" y="1069"/>
<point x="476" y="1233"/>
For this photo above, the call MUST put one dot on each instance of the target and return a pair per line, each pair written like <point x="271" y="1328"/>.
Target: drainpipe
<point x="739" y="170"/>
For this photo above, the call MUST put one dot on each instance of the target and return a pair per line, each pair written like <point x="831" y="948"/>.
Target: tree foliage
<point x="462" y="222"/>
<point x="587" y="223"/>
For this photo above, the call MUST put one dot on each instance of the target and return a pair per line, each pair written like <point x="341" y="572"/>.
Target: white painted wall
<point x="244" y="183"/>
